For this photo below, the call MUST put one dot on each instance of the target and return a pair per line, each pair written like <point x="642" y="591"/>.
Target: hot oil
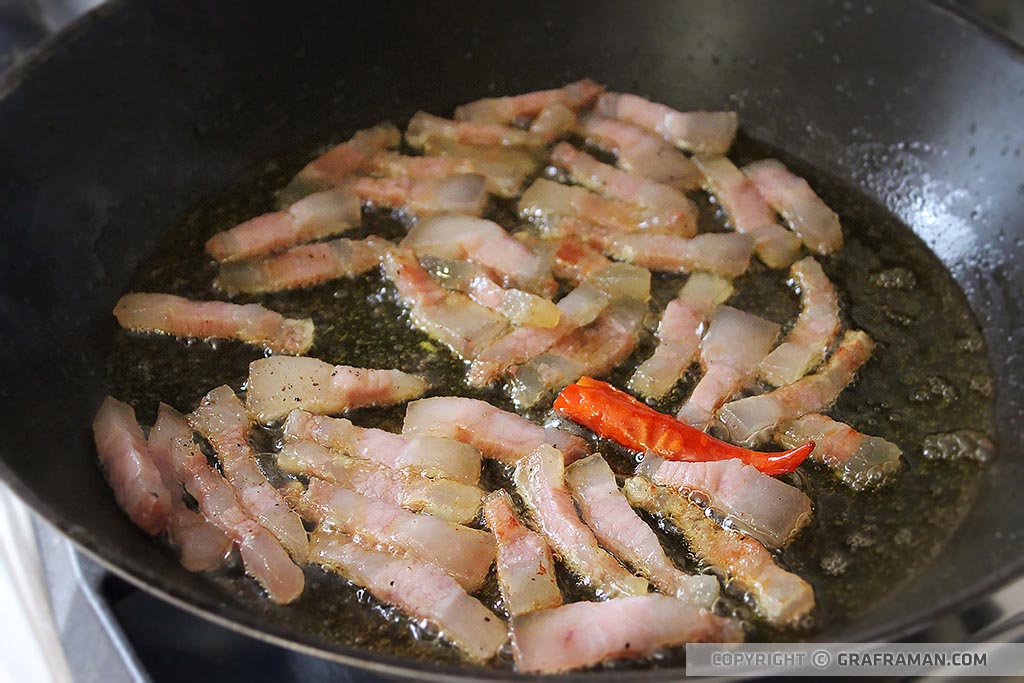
<point x="928" y="375"/>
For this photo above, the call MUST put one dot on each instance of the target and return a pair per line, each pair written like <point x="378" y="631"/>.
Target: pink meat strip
<point x="129" y="467"/>
<point x="725" y="254"/>
<point x="758" y="505"/>
<point x="553" y="122"/>
<point x="420" y="589"/>
<point x="816" y="327"/>
<point x="483" y="133"/>
<point x="621" y="531"/>
<point x="747" y="211"/>
<point x="525" y="160"/>
<point x="741" y="562"/>
<point x="430" y="456"/>
<point x="695" y="131"/>
<point x="576" y="260"/>
<point x="499" y="434"/>
<point x="526" y="568"/>
<point x="279" y="385"/>
<point x="640" y="152"/>
<point x="790" y="195"/>
<point x="465" y="554"/>
<point x="750" y="421"/>
<point x="250" y="323"/>
<point x="587" y="633"/>
<point x="539" y="480"/>
<point x="302" y="266"/>
<point x="679" y="334"/>
<point x="730" y="352"/>
<point x="508" y="109"/>
<point x="334" y="166"/>
<point x="314" y="217"/>
<point x="203" y="546"/>
<point x="503" y="179"/>
<point x="460" y="193"/>
<point x="222" y="419"/>
<point x="861" y="461"/>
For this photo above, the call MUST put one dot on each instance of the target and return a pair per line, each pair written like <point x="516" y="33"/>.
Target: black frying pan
<point x="143" y="108"/>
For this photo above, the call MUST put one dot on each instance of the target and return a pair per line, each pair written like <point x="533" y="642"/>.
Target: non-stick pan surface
<point x="144" y="108"/>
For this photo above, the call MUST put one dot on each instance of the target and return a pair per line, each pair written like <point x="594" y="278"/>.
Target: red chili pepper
<point x="616" y="415"/>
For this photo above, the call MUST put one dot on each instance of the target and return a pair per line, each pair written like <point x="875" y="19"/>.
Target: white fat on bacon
<point x="503" y="178"/>
<point x="528" y="105"/>
<point x="423" y="126"/>
<point x="339" y="162"/>
<point x="458" y="193"/>
<point x="861" y="461"/>
<point x="790" y="195"/>
<point x="641" y="152"/>
<point x="725" y="254"/>
<point x="553" y="122"/>
<point x="695" y="131"/>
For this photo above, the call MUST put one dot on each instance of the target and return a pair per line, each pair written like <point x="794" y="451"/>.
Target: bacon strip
<point x="621" y="531"/>
<point x="460" y="193"/>
<point x="790" y="195"/>
<point x="779" y="596"/>
<point x="817" y="325"/>
<point x="250" y="323"/>
<point x="553" y="122"/>
<point x="319" y="215"/>
<point x="428" y="456"/>
<point x="302" y="266"/>
<point x="526" y="160"/>
<point x="424" y="125"/>
<point x="725" y="254"/>
<point x="222" y="419"/>
<point x="465" y="554"/>
<point x="420" y="589"/>
<point x="587" y="633"/>
<point x="526" y="568"/>
<point x="338" y="163"/>
<point x="679" y="334"/>
<point x="696" y="131"/>
<point x="640" y="152"/>
<point x="508" y="109"/>
<point x="750" y="421"/>
<point x="539" y="480"/>
<point x="499" y="434"/>
<point x="759" y="505"/>
<point x="861" y="461"/>
<point x="129" y="467"/>
<point x="278" y="385"/>
<point x="503" y="179"/>
<point x="730" y="351"/>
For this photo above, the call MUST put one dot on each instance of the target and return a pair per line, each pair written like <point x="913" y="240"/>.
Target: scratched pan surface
<point x="131" y="119"/>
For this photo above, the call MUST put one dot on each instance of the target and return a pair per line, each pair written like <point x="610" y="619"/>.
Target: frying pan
<point x="142" y="109"/>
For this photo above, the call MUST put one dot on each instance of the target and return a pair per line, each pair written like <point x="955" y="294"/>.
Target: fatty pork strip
<point x="761" y="506"/>
<point x="429" y="456"/>
<point x="679" y="334"/>
<point x="486" y="243"/>
<point x="621" y="531"/>
<point x="747" y="211"/>
<point x="502" y="179"/>
<point x="730" y="351"/>
<point x="451" y="318"/>
<point x="465" y="554"/>
<point x="338" y="163"/>
<point x="539" y="480"/>
<point x="314" y="217"/>
<point x="302" y="266"/>
<point x="264" y="557"/>
<point x="779" y="596"/>
<point x="695" y="131"/>
<point x="668" y="208"/>
<point x="483" y="133"/>
<point x="586" y="633"/>
<point x="525" y="160"/>
<point x="499" y="434"/>
<point x="250" y="323"/>
<point x="861" y="461"/>
<point x="725" y="254"/>
<point x="420" y="589"/>
<point x="640" y="152"/>
<point x="279" y="385"/>
<point x="203" y="546"/>
<point x="790" y="195"/>
<point x="459" y="193"/>
<point x="222" y="420"/>
<point x="750" y="421"/>
<point x="592" y="350"/>
<point x="816" y="327"/>
<point x="553" y="122"/>
<point x="528" y="105"/>
<point x="129" y="468"/>
<point x="444" y="498"/>
<point x="526" y="568"/>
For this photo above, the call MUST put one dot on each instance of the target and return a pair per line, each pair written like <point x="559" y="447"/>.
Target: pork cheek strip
<point x="459" y="193"/>
<point x="861" y="461"/>
<point x="641" y="152"/>
<point x="725" y="254"/>
<point x="696" y="131"/>
<point x="423" y="126"/>
<point x="502" y="178"/>
<point x="339" y="162"/>
<point x="528" y="105"/>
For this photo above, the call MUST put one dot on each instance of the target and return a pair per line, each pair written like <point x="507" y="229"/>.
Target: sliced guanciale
<point x="181" y="317"/>
<point x="861" y="461"/>
<point x="586" y="633"/>
<point x="526" y="567"/>
<point x="459" y="193"/>
<point x="725" y="254"/>
<point x="499" y="434"/>
<point x="639" y="151"/>
<point x="465" y="554"/>
<point x="420" y="589"/>
<point x="752" y="420"/>
<point x="502" y="178"/>
<point x="539" y="480"/>
<point x="761" y="506"/>
<point x="483" y="133"/>
<point x="695" y="131"/>
<point x="222" y="419"/>
<point x="780" y="597"/>
<point x="528" y="105"/>
<point x="339" y="162"/>
<point x="621" y="531"/>
<point x="553" y="122"/>
<point x="279" y="385"/>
